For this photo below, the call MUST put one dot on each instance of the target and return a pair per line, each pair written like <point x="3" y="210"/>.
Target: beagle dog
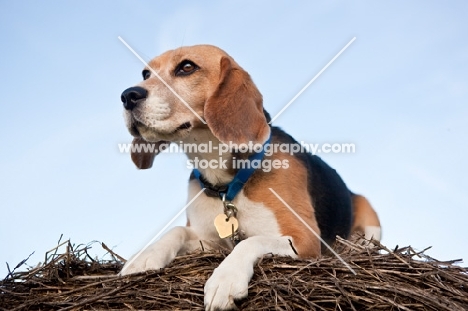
<point x="199" y="95"/>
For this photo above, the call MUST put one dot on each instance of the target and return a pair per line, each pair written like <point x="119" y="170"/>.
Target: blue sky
<point x="399" y="93"/>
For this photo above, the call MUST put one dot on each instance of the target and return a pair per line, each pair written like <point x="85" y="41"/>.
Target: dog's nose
<point x="132" y="96"/>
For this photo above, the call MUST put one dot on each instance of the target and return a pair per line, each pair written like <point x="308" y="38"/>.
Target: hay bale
<point x="402" y="279"/>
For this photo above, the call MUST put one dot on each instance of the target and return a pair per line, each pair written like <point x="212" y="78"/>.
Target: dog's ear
<point x="234" y="112"/>
<point x="143" y="152"/>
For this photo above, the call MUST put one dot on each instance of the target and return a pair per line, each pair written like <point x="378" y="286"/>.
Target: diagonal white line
<point x="161" y="79"/>
<point x="127" y="264"/>
<point x="313" y="231"/>
<point x="313" y="79"/>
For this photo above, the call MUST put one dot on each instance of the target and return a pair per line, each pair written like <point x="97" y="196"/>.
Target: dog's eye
<point x="146" y="74"/>
<point x="185" y="68"/>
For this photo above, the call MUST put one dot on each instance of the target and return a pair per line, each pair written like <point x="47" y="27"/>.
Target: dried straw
<point x="399" y="279"/>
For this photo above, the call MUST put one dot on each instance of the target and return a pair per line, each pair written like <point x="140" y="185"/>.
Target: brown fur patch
<point x="291" y="185"/>
<point x="364" y="214"/>
<point x="234" y="112"/>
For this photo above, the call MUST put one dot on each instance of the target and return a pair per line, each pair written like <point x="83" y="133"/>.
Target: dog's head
<point x="186" y="87"/>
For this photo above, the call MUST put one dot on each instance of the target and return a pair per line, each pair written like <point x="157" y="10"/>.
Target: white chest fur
<point x="254" y="218"/>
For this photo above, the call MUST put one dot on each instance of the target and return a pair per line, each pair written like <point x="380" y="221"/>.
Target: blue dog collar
<point x="240" y="179"/>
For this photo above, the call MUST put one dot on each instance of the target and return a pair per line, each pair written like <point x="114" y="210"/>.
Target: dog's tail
<point x="366" y="222"/>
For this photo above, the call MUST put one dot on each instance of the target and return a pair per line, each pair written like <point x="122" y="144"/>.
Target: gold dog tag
<point x="225" y="227"/>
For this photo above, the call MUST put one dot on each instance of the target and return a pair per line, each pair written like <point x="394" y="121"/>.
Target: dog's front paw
<point x="224" y="287"/>
<point x="145" y="261"/>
